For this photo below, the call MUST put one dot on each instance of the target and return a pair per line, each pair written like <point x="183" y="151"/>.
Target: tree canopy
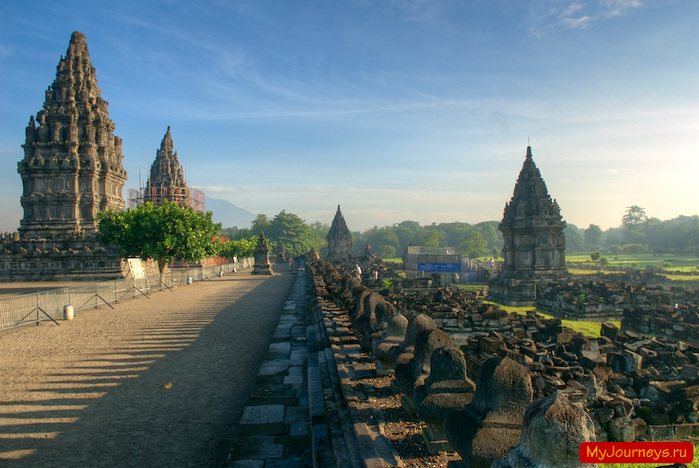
<point x="162" y="233"/>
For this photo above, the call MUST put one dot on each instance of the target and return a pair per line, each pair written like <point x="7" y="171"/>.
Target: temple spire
<point x="166" y="181"/>
<point x="339" y="238"/>
<point x="534" y="243"/>
<point x="72" y="167"/>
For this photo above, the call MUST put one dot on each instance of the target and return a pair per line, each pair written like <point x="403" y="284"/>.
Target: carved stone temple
<point x="166" y="181"/>
<point x="72" y="166"/>
<point x="71" y="170"/>
<point x="339" y="238"/>
<point x="534" y="247"/>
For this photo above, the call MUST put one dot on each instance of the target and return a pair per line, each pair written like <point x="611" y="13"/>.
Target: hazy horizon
<point x="395" y="110"/>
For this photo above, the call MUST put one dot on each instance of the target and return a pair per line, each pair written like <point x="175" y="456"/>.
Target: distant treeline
<point x="637" y="234"/>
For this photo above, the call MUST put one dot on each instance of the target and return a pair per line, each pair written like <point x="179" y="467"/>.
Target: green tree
<point x="433" y="238"/>
<point x="235" y="233"/>
<point x="593" y="236"/>
<point x="386" y="251"/>
<point x="574" y="240"/>
<point x="260" y="224"/>
<point x="473" y="245"/>
<point x="634" y="216"/>
<point x="240" y="247"/>
<point x="297" y="236"/>
<point x="162" y="233"/>
<point x="320" y="235"/>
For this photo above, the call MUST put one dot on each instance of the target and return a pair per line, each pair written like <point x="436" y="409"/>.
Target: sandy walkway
<point x="157" y="382"/>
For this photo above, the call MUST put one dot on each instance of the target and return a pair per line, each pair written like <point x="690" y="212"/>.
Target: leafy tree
<point x="473" y="245"/>
<point x="162" y="233"/>
<point x="574" y="239"/>
<point x="433" y="238"/>
<point x="239" y="247"/>
<point x="595" y="256"/>
<point x="260" y="224"/>
<point x="235" y="233"/>
<point x="492" y="235"/>
<point x="635" y="216"/>
<point x="593" y="236"/>
<point x="386" y="251"/>
<point x="297" y="236"/>
<point x="320" y="234"/>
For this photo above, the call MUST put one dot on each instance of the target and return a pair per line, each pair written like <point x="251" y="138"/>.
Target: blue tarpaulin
<point x="438" y="267"/>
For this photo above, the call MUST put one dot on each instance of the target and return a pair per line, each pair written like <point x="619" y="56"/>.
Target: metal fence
<point x="32" y="308"/>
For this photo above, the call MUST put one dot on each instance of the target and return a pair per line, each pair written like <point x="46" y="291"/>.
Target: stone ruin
<point x="262" y="266"/>
<point x="339" y="238"/>
<point x="621" y="386"/>
<point x="71" y="170"/>
<point x="534" y="248"/>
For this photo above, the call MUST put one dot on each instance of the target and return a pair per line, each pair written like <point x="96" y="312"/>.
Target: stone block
<point x="664" y="432"/>
<point x="622" y="430"/>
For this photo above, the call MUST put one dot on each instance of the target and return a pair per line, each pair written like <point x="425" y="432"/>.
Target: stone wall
<point x="52" y="260"/>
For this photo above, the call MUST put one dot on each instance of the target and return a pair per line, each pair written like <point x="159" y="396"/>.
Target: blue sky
<point x="396" y="110"/>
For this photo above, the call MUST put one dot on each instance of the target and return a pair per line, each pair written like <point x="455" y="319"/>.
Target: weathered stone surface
<point x="392" y="337"/>
<point x="486" y="428"/>
<point x="552" y="431"/>
<point x="414" y="372"/>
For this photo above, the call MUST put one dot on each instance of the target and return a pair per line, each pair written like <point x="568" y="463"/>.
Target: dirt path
<point x="157" y="382"/>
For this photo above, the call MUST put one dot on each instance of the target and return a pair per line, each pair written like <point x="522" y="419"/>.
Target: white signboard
<point x="136" y="268"/>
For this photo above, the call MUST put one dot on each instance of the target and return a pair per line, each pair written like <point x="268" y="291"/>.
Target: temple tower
<point x="72" y="167"/>
<point x="339" y="238"/>
<point x="166" y="181"/>
<point x="534" y="248"/>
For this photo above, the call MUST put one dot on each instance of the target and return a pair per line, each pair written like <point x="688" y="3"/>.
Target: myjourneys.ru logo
<point x="636" y="452"/>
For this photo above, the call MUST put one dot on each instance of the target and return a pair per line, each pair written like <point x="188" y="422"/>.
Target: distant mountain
<point x="228" y="214"/>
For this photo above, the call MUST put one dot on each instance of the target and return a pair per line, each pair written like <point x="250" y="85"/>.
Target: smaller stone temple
<point x="339" y="238"/>
<point x="534" y="247"/>
<point x="166" y="181"/>
<point x="262" y="266"/>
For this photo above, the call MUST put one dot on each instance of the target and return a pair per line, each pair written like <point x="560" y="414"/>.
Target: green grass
<point x="693" y="464"/>
<point x="687" y="262"/>
<point x="589" y="329"/>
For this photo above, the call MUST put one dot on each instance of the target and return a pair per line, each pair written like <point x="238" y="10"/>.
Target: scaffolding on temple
<point x="191" y="197"/>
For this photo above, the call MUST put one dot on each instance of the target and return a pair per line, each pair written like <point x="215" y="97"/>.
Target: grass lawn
<point x="671" y="262"/>
<point x="688" y="263"/>
<point x="589" y="329"/>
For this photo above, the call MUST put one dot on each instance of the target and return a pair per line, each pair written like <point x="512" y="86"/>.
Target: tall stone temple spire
<point x="166" y="181"/>
<point x="339" y="238"/>
<point x="534" y="243"/>
<point x="72" y="167"/>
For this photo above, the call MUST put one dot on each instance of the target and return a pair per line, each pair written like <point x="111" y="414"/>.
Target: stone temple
<point x="339" y="238"/>
<point x="71" y="170"/>
<point x="534" y="248"/>
<point x="166" y="181"/>
<point x="72" y="166"/>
